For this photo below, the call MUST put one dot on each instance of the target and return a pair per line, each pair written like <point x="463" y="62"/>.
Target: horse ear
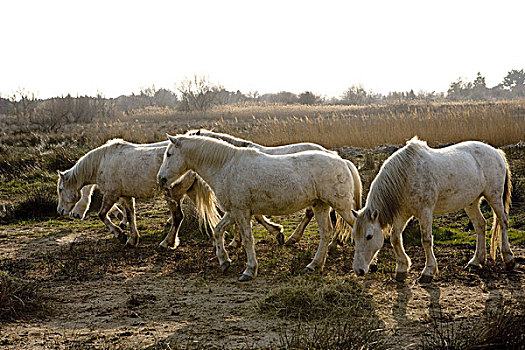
<point x="176" y="142"/>
<point x="61" y="173"/>
<point x="374" y="215"/>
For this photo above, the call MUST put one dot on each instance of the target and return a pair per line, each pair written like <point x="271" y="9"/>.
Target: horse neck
<point x="84" y="171"/>
<point x="207" y="161"/>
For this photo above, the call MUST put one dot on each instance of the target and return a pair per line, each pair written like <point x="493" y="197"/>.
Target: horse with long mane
<point x="124" y="171"/>
<point x="289" y="149"/>
<point x="419" y="181"/>
<point x="248" y="182"/>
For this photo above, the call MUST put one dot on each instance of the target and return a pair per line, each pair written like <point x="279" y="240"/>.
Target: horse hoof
<point x="509" y="265"/>
<point x="401" y="276"/>
<point x="234" y="244"/>
<point x="373" y="268"/>
<point x="225" y="266"/>
<point x="425" y="279"/>
<point x="473" y="267"/>
<point x="280" y="238"/>
<point x="166" y="246"/>
<point x="307" y="270"/>
<point x="132" y="242"/>
<point x="245" y="278"/>
<point x="122" y="237"/>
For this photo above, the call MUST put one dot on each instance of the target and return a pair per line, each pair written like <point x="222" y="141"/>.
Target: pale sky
<point x="116" y="47"/>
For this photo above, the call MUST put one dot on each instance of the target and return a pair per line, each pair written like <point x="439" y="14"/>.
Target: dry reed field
<point x="69" y="284"/>
<point x="498" y="123"/>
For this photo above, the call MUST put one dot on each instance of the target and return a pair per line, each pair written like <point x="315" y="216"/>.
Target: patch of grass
<point x="516" y="237"/>
<point x="313" y="298"/>
<point x="338" y="314"/>
<point x="39" y="202"/>
<point x="499" y="330"/>
<point x="450" y="236"/>
<point x="20" y="298"/>
<point x="345" y="334"/>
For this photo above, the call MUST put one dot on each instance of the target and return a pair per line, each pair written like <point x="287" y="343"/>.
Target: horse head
<point x="68" y="193"/>
<point x="368" y="237"/>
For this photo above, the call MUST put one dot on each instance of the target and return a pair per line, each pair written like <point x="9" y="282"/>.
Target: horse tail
<point x="206" y="204"/>
<point x="341" y="227"/>
<point x="495" y="241"/>
<point x="358" y="186"/>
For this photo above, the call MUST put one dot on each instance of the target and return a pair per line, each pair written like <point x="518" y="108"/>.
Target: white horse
<point x="288" y="149"/>
<point x="422" y="182"/>
<point x="124" y="171"/>
<point x="192" y="185"/>
<point x="248" y="182"/>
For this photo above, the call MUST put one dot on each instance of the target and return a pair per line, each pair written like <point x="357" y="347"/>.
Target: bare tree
<point x="23" y="104"/>
<point x="198" y="94"/>
<point x="51" y="115"/>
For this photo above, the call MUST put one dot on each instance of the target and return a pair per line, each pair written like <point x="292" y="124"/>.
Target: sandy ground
<point x="146" y="296"/>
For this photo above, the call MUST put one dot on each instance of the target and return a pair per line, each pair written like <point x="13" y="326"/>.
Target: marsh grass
<point x="20" y="298"/>
<point x="329" y="314"/>
<point x="501" y="329"/>
<point x="38" y="202"/>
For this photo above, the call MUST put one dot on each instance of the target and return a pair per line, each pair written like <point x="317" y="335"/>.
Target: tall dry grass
<point x="498" y="123"/>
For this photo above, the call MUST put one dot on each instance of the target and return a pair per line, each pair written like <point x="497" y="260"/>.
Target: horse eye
<point x="168" y="155"/>
<point x="368" y="237"/>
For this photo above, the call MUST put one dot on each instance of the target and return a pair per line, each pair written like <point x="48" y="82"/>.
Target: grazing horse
<point x="124" y="171"/>
<point x="288" y="149"/>
<point x="419" y="181"/>
<point x="248" y="182"/>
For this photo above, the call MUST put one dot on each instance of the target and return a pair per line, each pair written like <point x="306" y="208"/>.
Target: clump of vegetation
<point x="347" y="334"/>
<point x="495" y="330"/>
<point x="19" y="298"/>
<point x="38" y="202"/>
<point x="338" y="314"/>
<point x="311" y="297"/>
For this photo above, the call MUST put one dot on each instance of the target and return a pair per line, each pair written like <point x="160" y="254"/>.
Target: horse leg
<point x="129" y="207"/>
<point x="244" y="224"/>
<point x="299" y="230"/>
<point x="171" y="241"/>
<point x="479" y="222"/>
<point x="338" y="237"/>
<point x="107" y="203"/>
<point x="273" y="228"/>
<point x="81" y="207"/>
<point x="322" y="215"/>
<point x="396" y="240"/>
<point x="218" y="241"/>
<point x="119" y="212"/>
<point x="236" y="241"/>
<point x="503" y="222"/>
<point x="425" y="225"/>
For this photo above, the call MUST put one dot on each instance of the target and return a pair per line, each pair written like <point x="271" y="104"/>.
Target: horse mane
<point x="206" y="150"/>
<point x="85" y="168"/>
<point x="388" y="190"/>
<point x="236" y="141"/>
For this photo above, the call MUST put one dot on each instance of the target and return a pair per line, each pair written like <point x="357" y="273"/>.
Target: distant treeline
<point x="199" y="94"/>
